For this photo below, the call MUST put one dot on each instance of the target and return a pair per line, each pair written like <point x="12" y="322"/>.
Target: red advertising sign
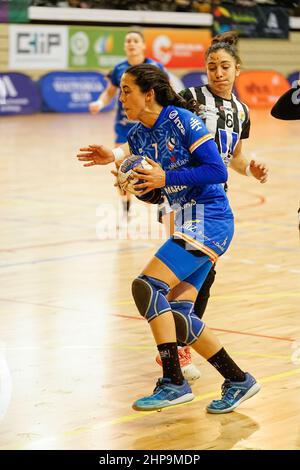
<point x="182" y="48"/>
<point x="261" y="88"/>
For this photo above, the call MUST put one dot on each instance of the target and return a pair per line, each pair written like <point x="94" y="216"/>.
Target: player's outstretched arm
<point x="259" y="170"/>
<point x="102" y="155"/>
<point x="104" y="99"/>
<point x="121" y="152"/>
<point x="241" y="165"/>
<point x="96" y="155"/>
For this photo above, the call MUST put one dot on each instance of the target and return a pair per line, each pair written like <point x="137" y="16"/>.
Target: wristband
<point x="119" y="153"/>
<point x="100" y="104"/>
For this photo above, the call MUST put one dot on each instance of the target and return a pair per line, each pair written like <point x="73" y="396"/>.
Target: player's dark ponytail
<point x="227" y="41"/>
<point x="149" y="77"/>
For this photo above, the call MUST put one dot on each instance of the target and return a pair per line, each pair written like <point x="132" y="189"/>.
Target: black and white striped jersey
<point x="227" y="120"/>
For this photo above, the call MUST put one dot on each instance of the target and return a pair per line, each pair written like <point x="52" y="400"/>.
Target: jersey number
<point x="156" y="150"/>
<point x="229" y="120"/>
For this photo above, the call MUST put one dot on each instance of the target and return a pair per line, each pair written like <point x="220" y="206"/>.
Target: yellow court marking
<point x="198" y="398"/>
<point x="282" y="375"/>
<point x="278" y="357"/>
<point x="134" y="416"/>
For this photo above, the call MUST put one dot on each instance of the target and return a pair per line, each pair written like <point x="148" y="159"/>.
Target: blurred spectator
<point x="201" y="6"/>
<point x="80" y="3"/>
<point x="68" y="3"/>
<point x="44" y="3"/>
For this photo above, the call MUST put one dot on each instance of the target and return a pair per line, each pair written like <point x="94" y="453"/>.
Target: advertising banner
<point x="293" y="78"/>
<point x="94" y="47"/>
<point x="261" y="88"/>
<point x="3" y="11"/>
<point x="71" y="92"/>
<point x="182" y="48"/>
<point x="252" y="22"/>
<point x="37" y="47"/>
<point x="18" y="94"/>
<point x="14" y="11"/>
<point x="193" y="79"/>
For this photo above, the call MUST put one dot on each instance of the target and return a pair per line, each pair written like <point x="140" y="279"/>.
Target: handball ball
<point x="126" y="179"/>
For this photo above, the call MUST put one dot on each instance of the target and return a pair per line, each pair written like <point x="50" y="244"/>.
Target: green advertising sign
<point x="93" y="47"/>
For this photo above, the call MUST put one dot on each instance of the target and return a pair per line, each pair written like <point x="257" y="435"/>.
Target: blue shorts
<point x="188" y="265"/>
<point x="205" y="228"/>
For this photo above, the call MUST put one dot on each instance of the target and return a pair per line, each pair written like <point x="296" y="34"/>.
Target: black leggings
<point x="203" y="296"/>
<point x="204" y="293"/>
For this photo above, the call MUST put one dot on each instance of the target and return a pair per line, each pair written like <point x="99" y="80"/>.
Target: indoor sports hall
<point x="74" y="351"/>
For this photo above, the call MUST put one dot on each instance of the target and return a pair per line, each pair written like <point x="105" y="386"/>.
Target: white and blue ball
<point x="126" y="179"/>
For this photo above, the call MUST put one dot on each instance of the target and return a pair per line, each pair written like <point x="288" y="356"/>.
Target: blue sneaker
<point x="164" y="395"/>
<point x="234" y="393"/>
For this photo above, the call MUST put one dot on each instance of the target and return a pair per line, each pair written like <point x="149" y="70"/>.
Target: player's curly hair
<point x="150" y="77"/>
<point x="227" y="41"/>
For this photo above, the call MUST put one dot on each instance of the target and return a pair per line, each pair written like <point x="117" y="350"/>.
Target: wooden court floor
<point x="74" y="353"/>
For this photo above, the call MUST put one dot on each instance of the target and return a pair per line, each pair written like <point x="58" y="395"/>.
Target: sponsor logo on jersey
<point x="191" y="225"/>
<point x="173" y="114"/>
<point x="179" y="125"/>
<point x="224" y="242"/>
<point x="174" y="189"/>
<point x="242" y="116"/>
<point x="171" y="144"/>
<point x="195" y="124"/>
<point x="209" y="109"/>
<point x="176" y="163"/>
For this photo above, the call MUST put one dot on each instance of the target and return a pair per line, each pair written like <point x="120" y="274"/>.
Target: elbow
<point x="222" y="175"/>
<point x="225" y="174"/>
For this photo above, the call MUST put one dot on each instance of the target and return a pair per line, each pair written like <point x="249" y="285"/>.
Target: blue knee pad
<point x="188" y="326"/>
<point x="150" y="296"/>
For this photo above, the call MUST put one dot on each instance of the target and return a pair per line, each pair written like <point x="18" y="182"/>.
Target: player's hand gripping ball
<point x="126" y="179"/>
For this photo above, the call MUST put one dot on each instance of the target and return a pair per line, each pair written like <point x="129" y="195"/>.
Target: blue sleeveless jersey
<point x="122" y="124"/>
<point x="203" y="217"/>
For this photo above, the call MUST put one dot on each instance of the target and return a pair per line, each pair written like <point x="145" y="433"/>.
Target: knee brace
<point x="188" y="326"/>
<point x="150" y="296"/>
